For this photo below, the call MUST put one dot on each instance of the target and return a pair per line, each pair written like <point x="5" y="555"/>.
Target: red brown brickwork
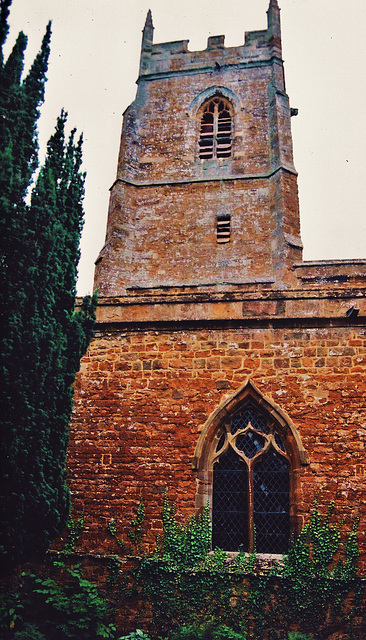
<point x="143" y="398"/>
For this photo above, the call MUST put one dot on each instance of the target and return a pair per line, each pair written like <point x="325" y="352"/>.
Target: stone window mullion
<point x="251" y="535"/>
<point x="251" y="486"/>
<point x="215" y="131"/>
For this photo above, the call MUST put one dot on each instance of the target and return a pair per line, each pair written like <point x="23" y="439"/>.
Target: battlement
<point x="173" y="57"/>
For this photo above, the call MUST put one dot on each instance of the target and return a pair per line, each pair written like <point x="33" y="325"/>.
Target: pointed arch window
<point x="251" y="485"/>
<point x="216" y="130"/>
<point x="248" y="458"/>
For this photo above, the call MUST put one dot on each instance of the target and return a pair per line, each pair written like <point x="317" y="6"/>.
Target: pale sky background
<point x="93" y="67"/>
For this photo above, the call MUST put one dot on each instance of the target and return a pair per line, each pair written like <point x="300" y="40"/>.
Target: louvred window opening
<point x="215" y="134"/>
<point x="223" y="230"/>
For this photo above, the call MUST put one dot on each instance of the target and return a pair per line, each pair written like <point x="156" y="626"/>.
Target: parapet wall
<point x="170" y="57"/>
<point x="341" y="273"/>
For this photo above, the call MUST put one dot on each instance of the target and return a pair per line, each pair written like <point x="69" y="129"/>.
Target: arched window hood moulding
<point x="230" y="404"/>
<point x="212" y="92"/>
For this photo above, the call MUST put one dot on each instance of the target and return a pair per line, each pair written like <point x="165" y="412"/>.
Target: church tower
<point x="206" y="189"/>
<point x="224" y="370"/>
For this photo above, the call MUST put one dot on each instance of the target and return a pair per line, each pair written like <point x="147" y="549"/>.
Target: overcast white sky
<point x="93" y="67"/>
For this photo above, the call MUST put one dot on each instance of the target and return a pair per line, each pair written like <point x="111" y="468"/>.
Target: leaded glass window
<point x="251" y="485"/>
<point x="230" y="502"/>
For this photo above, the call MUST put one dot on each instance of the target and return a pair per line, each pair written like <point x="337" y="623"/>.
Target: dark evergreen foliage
<point x="42" y="338"/>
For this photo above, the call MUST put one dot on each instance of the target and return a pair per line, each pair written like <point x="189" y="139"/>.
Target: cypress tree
<point x="43" y="338"/>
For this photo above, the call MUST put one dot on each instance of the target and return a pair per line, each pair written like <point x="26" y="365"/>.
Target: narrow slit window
<point x="223" y="230"/>
<point x="215" y="132"/>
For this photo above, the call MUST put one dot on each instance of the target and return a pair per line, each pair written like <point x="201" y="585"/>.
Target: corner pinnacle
<point x="148" y="21"/>
<point x="148" y="31"/>
<point x="273" y="15"/>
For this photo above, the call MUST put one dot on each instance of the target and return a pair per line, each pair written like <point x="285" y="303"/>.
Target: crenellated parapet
<point x="171" y="57"/>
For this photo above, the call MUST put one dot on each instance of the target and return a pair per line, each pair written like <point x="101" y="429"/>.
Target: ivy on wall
<point x="185" y="591"/>
<point x="185" y="585"/>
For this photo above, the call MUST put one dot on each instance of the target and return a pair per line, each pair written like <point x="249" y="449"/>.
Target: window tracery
<point x="251" y="485"/>
<point x="267" y="457"/>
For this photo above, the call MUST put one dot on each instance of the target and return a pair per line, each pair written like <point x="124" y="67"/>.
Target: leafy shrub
<point x="210" y="631"/>
<point x="29" y="632"/>
<point x="67" y="607"/>
<point x="135" y="635"/>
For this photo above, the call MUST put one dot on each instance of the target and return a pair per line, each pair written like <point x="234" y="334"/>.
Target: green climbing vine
<point x="185" y="591"/>
<point x="134" y="534"/>
<point x="184" y="544"/>
<point x="319" y="574"/>
<point x="74" y="531"/>
<point x="190" y="591"/>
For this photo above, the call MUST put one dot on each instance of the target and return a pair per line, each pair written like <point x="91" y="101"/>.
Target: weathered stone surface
<point x="184" y="321"/>
<point x="166" y="200"/>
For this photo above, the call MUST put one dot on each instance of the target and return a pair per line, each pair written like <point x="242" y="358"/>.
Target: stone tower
<point x="224" y="369"/>
<point x="206" y="189"/>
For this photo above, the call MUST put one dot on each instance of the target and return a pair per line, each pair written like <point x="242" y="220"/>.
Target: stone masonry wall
<point x="142" y="398"/>
<point x="171" y="235"/>
<point x="166" y="199"/>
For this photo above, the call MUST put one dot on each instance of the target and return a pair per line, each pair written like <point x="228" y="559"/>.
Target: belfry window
<point x="251" y="485"/>
<point x="215" y="133"/>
